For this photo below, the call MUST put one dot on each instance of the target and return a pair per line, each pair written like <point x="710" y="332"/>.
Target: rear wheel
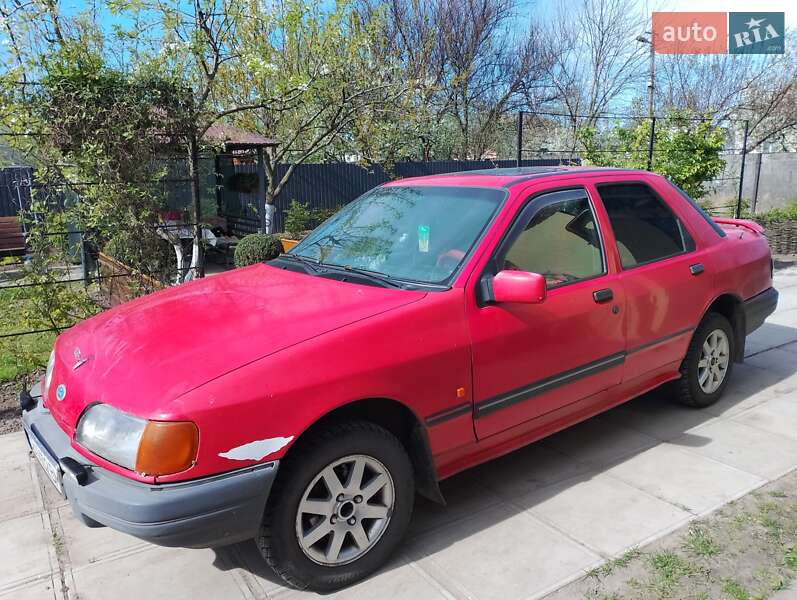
<point x="708" y="363"/>
<point x="340" y="507"/>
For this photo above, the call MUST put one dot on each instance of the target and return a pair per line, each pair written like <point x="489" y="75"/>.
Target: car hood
<point x="143" y="355"/>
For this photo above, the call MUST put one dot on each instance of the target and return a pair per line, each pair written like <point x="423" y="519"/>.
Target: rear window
<point x="645" y="228"/>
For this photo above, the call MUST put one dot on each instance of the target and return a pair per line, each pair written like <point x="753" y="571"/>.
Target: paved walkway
<point x="516" y="528"/>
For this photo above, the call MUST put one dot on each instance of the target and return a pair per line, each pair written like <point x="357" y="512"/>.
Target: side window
<point x="644" y="226"/>
<point x="560" y="242"/>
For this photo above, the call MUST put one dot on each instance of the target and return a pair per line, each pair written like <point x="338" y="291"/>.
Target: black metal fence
<point x="331" y="185"/>
<point x="561" y="135"/>
<point x="15" y="190"/>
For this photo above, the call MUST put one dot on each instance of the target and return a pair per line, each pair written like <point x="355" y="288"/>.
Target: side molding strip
<point x="490" y="405"/>
<point x="485" y="407"/>
<point x="449" y="413"/>
<point x="666" y="338"/>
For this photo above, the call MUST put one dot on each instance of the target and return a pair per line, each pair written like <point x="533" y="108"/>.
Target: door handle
<point x="603" y="295"/>
<point x="696" y="269"/>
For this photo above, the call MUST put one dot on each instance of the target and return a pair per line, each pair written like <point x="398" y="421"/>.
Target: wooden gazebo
<point x="235" y="140"/>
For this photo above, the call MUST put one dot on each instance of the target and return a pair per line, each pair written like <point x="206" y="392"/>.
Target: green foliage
<point x="774" y="215"/>
<point x="22" y="354"/>
<point x="300" y="218"/>
<point x="144" y="251"/>
<point x="791" y="558"/>
<point x="700" y="543"/>
<point x="685" y="151"/>
<point x="255" y="248"/>
<point x="735" y="590"/>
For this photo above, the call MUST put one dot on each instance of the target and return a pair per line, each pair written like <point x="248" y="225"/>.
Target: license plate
<point x="48" y="464"/>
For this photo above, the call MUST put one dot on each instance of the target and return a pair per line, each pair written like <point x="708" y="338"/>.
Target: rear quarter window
<point x="703" y="214"/>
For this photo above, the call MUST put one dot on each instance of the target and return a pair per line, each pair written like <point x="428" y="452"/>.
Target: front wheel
<point x="340" y="507"/>
<point x="708" y="363"/>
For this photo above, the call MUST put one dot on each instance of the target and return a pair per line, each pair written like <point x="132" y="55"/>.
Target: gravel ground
<point x="9" y="407"/>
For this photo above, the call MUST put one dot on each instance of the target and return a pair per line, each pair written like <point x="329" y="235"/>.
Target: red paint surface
<point x="259" y="352"/>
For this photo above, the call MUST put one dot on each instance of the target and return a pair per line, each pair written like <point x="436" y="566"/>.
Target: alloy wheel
<point x="712" y="366"/>
<point x="345" y="510"/>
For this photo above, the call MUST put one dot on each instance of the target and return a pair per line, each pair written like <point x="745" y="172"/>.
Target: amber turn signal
<point x="167" y="447"/>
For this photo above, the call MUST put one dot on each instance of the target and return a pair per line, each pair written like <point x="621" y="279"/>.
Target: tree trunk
<point x="197" y="262"/>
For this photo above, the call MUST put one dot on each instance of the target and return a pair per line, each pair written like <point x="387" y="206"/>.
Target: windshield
<point x="413" y="233"/>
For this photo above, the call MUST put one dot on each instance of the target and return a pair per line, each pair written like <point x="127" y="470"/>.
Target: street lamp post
<point x="651" y="69"/>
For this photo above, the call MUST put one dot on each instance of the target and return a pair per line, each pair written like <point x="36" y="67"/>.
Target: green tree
<point x="686" y="150"/>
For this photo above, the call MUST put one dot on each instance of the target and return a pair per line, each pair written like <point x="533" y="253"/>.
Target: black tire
<point x="277" y="539"/>
<point x="687" y="389"/>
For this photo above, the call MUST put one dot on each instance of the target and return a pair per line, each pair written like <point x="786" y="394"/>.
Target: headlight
<point x="48" y="375"/>
<point x="148" y="447"/>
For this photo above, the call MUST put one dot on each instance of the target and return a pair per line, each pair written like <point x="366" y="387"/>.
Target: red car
<point x="429" y="326"/>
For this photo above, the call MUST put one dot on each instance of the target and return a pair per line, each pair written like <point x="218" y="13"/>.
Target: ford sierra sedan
<point x="431" y="325"/>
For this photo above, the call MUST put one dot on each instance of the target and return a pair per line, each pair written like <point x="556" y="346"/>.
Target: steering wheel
<point x="454" y="255"/>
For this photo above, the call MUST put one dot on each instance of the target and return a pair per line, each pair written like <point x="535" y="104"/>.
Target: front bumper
<point x="212" y="511"/>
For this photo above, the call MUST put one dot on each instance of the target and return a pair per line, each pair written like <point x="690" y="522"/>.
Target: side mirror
<point x="518" y="286"/>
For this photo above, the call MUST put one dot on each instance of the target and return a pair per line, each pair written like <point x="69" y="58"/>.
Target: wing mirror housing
<point x="518" y="286"/>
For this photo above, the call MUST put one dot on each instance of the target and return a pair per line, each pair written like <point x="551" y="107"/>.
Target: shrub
<point x="777" y="215"/>
<point x="300" y="217"/>
<point x="255" y="248"/>
<point x="143" y="250"/>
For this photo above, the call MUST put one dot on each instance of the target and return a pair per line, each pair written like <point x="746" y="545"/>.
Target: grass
<point x="790" y="558"/>
<point x="745" y="551"/>
<point x="669" y="568"/>
<point x="620" y="562"/>
<point x="700" y="543"/>
<point x="735" y="590"/>
<point x="21" y="354"/>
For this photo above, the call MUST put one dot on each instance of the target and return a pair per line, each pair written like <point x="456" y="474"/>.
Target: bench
<point x="12" y="237"/>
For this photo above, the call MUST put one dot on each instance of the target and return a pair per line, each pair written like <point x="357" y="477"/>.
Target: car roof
<point x="504" y="177"/>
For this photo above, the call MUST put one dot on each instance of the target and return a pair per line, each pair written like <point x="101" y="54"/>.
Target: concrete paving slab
<point x="528" y="469"/>
<point x="86" y="546"/>
<point x="778" y="415"/>
<point x="738" y="445"/>
<point x="684" y="478"/>
<point x="748" y="387"/>
<point x="165" y="572"/>
<point x="44" y="589"/>
<point x="465" y="495"/>
<point x="604" y="513"/>
<point x="13" y="449"/>
<point x="780" y="362"/>
<point x="25" y="550"/>
<point x="658" y="416"/>
<point x="501" y="553"/>
<point x="400" y="581"/>
<point x="772" y="333"/>
<point x="18" y="494"/>
<point x="598" y="441"/>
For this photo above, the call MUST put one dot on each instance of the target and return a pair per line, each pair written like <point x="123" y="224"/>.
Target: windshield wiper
<point x="377" y="276"/>
<point x="309" y="264"/>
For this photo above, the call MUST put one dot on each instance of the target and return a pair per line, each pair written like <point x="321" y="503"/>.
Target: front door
<point x="531" y="359"/>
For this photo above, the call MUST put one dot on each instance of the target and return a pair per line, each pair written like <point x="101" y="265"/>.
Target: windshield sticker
<point x="423" y="238"/>
<point x="257" y="450"/>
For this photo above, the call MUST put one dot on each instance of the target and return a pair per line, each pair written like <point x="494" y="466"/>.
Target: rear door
<point x="663" y="273"/>
<point x="532" y="359"/>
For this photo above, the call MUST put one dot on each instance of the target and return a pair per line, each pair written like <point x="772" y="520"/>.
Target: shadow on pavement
<point x="535" y="467"/>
